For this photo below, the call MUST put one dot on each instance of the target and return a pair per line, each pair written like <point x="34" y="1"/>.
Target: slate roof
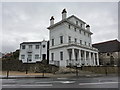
<point x="32" y="42"/>
<point x="108" y="46"/>
<point x="68" y="21"/>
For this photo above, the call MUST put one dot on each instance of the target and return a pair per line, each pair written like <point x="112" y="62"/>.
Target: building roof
<point x="32" y="42"/>
<point x="66" y="20"/>
<point x="108" y="46"/>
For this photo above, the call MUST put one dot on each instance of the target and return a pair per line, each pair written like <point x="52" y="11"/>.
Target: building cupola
<point x="88" y="27"/>
<point x="64" y="14"/>
<point x="52" y="20"/>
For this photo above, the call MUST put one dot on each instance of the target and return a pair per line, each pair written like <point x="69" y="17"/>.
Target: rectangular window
<point x="80" y="25"/>
<point x="85" y="43"/>
<point x="61" y="55"/>
<point x="52" y="42"/>
<point x="75" y="40"/>
<point x="29" y="58"/>
<point x="80" y="31"/>
<point x="23" y="46"/>
<point x="76" y="22"/>
<point x="69" y="26"/>
<point x="84" y="33"/>
<point x="69" y="39"/>
<point x="52" y="56"/>
<point x="30" y="46"/>
<point x="22" y="56"/>
<point x="37" y="46"/>
<point x="81" y="42"/>
<point x="36" y="56"/>
<point x="61" y="39"/>
<point x="88" y="35"/>
<point x="89" y="44"/>
<point x="75" y="29"/>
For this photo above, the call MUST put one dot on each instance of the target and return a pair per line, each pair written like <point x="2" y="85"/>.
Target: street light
<point x="76" y="69"/>
<point x="27" y="67"/>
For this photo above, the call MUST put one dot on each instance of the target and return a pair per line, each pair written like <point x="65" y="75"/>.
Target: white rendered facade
<point x="70" y="43"/>
<point x="32" y="52"/>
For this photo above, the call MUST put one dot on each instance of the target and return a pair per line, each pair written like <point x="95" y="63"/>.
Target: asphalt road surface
<point x="81" y="82"/>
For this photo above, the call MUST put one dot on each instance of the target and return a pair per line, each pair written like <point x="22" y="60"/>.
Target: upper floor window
<point x="80" y="31"/>
<point x="80" y="25"/>
<point x="36" y="56"/>
<point x="30" y="46"/>
<point x="52" y="56"/>
<point x="61" y="39"/>
<point x="23" y="46"/>
<point x="75" y="29"/>
<point x="43" y="46"/>
<point x="80" y="41"/>
<point x="22" y="56"/>
<point x="37" y="46"/>
<point x="69" y="26"/>
<point x="89" y="44"/>
<point x="69" y="39"/>
<point x="76" y="22"/>
<point x="52" y="42"/>
<point x="61" y="55"/>
<point x="75" y="40"/>
<point x="88" y="35"/>
<point x="85" y="43"/>
<point x="84" y="33"/>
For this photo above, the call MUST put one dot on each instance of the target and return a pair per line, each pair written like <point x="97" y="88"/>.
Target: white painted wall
<point x="35" y="51"/>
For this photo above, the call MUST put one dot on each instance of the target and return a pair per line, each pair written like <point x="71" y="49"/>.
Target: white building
<point x="32" y="52"/>
<point x="70" y="42"/>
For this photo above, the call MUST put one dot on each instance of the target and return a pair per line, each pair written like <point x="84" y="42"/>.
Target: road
<point x="81" y="82"/>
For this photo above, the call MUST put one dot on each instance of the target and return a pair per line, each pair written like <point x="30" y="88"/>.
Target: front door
<point x="43" y="56"/>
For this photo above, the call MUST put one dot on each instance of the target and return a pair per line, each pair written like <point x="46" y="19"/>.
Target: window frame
<point x="36" y="56"/>
<point x="61" y="39"/>
<point x="61" y="55"/>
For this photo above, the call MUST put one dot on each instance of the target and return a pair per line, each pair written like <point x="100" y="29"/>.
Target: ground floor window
<point x="22" y="56"/>
<point x="61" y="55"/>
<point x="37" y="56"/>
<point x="52" y="56"/>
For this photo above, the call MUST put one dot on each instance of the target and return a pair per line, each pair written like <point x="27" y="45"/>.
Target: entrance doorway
<point x="43" y="56"/>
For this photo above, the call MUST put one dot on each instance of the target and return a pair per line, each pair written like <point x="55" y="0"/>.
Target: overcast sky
<point x="24" y="21"/>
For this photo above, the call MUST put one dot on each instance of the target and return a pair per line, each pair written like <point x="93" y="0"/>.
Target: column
<point x="73" y="56"/>
<point x="94" y="59"/>
<point x="85" y="57"/>
<point x="97" y="59"/>
<point x="90" y="58"/>
<point x="80" y="57"/>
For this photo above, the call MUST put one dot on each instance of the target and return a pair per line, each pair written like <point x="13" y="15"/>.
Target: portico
<point x="82" y="57"/>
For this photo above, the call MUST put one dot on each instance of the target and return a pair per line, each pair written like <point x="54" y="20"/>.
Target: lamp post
<point x="27" y="67"/>
<point x="76" y="70"/>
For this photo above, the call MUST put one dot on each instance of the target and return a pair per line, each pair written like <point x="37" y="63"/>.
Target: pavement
<point x="69" y="75"/>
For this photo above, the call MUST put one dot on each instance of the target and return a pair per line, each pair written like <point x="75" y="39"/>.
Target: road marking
<point x="61" y="78"/>
<point x="27" y="85"/>
<point x="97" y="83"/>
<point x="66" y="82"/>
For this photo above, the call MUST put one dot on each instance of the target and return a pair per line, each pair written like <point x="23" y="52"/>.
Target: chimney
<point x="88" y="27"/>
<point x="64" y="14"/>
<point x="52" y="21"/>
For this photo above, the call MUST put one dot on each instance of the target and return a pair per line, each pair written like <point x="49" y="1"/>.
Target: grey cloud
<point x="28" y="21"/>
